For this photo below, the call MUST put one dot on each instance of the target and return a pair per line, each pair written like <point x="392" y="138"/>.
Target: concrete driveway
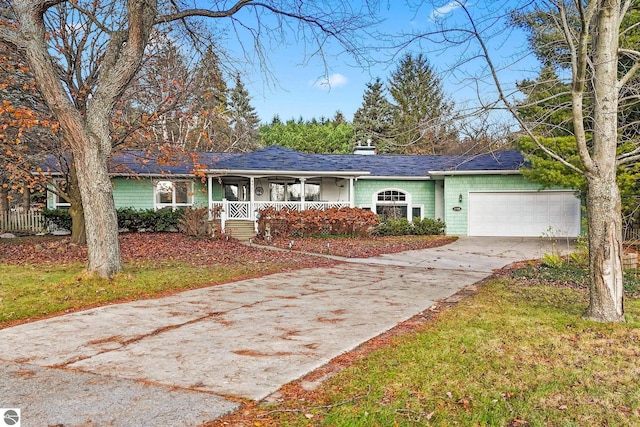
<point x="180" y="360"/>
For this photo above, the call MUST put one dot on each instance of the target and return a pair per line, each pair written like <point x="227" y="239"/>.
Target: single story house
<point x="479" y="195"/>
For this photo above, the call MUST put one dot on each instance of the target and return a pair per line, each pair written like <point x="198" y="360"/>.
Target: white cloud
<point x="330" y="82"/>
<point x="444" y="10"/>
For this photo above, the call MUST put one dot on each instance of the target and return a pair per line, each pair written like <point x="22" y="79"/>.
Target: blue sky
<point x="308" y="87"/>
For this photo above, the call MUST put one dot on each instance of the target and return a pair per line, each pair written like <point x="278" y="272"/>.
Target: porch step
<point x="239" y="229"/>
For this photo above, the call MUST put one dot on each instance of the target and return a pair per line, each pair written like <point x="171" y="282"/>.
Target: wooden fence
<point x="31" y="221"/>
<point x="632" y="236"/>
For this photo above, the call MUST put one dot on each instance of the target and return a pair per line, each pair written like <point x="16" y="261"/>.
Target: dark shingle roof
<point x="280" y="158"/>
<point x="275" y="158"/>
<point x="140" y="162"/>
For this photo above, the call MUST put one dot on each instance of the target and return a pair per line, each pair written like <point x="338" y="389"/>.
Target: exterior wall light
<point x="460" y="198"/>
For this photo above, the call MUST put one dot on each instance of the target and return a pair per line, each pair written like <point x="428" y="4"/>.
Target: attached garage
<point x="524" y="213"/>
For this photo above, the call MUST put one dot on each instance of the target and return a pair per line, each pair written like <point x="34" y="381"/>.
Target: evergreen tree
<point x="422" y="112"/>
<point x="244" y="120"/>
<point x="313" y="136"/>
<point x="209" y="114"/>
<point x="547" y="106"/>
<point x="373" y="120"/>
<point x="338" y="118"/>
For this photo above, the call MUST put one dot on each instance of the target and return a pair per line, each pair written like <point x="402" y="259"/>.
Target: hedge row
<point x="402" y="227"/>
<point x="279" y="223"/>
<point x="128" y="218"/>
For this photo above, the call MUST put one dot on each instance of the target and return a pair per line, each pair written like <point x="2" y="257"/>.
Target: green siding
<point x="454" y="186"/>
<point x="216" y="190"/>
<point x="139" y="193"/>
<point x="200" y="196"/>
<point x="136" y="193"/>
<point x="422" y="192"/>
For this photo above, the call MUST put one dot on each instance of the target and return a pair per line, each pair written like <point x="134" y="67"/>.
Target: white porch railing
<point x="299" y="206"/>
<point x="247" y="210"/>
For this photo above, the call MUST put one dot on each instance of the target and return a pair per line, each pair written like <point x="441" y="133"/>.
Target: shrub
<point x="148" y="219"/>
<point x="553" y="260"/>
<point x="128" y="218"/>
<point x="166" y="219"/>
<point x="194" y="222"/>
<point x="428" y="227"/>
<point x="57" y="218"/>
<point x="402" y="227"/>
<point x="313" y="222"/>
<point x="395" y="227"/>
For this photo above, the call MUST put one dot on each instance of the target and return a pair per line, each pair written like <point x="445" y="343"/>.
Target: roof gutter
<point x="478" y="172"/>
<point x="272" y="172"/>
<point x="131" y="174"/>
<point x="398" y="178"/>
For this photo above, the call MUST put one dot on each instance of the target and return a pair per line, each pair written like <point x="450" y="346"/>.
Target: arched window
<point x="392" y="196"/>
<point x="392" y="204"/>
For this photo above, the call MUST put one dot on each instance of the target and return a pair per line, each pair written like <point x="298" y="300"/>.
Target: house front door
<point x="236" y="191"/>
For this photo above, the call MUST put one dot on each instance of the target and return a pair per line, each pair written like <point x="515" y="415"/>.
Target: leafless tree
<point x="585" y="33"/>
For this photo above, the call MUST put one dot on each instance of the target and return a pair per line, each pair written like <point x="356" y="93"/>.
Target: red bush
<point x="335" y="221"/>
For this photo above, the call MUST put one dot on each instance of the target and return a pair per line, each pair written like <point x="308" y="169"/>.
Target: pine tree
<point x="209" y="114"/>
<point x="421" y="110"/>
<point x="244" y="120"/>
<point x="373" y="120"/>
<point x="547" y="105"/>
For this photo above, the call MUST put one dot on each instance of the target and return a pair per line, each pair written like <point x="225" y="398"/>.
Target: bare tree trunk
<point x="101" y="221"/>
<point x="605" y="251"/>
<point x="26" y="198"/>
<point x="78" y="229"/>
<point x="76" y="210"/>
<point x="4" y="200"/>
<point x="603" y="194"/>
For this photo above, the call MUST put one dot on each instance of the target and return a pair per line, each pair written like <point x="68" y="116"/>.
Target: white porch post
<point x="252" y="212"/>
<point x="210" y="195"/>
<point x="302" y="191"/>
<point x="252" y="186"/>
<point x="352" y="199"/>
<point x="223" y="214"/>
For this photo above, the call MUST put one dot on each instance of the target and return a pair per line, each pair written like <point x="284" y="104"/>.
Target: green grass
<point x="511" y="355"/>
<point x="30" y="291"/>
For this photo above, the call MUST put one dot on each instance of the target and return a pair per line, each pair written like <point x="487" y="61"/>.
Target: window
<point x="57" y="201"/>
<point x="392" y="196"/>
<point x="291" y="192"/>
<point x="391" y="212"/>
<point x="277" y="192"/>
<point x="236" y="192"/>
<point x="393" y="204"/>
<point x="312" y="192"/>
<point x="416" y="212"/>
<point x="173" y="194"/>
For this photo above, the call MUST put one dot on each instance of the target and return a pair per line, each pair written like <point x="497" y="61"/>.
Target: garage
<point x="524" y="213"/>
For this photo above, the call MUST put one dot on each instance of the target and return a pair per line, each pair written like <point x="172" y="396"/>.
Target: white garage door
<point x="531" y="214"/>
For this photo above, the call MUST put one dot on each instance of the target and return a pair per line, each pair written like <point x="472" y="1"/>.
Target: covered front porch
<point x="240" y="196"/>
